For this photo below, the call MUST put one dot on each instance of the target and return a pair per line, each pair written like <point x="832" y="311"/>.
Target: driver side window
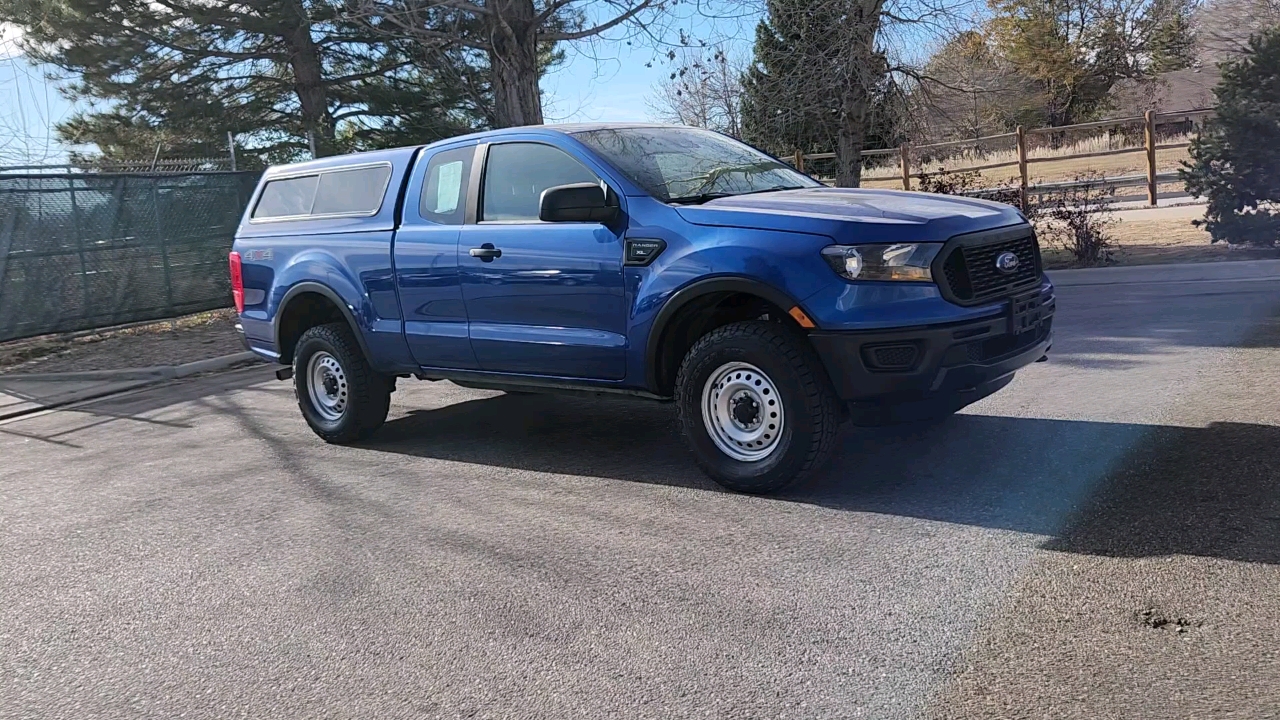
<point x="517" y="173"/>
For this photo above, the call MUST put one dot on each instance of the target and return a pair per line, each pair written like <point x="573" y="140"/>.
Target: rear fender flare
<point x="332" y="296"/>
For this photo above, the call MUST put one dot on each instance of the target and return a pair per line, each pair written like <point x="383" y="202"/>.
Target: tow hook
<point x="1043" y="358"/>
<point x="284" y="373"/>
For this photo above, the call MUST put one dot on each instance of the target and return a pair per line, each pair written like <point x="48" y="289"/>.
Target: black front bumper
<point x="937" y="363"/>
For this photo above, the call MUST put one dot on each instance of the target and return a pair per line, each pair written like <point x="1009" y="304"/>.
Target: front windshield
<point x="688" y="164"/>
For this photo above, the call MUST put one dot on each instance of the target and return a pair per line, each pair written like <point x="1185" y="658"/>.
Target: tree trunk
<point x="851" y="135"/>
<point x="513" y="64"/>
<point x="864" y="71"/>
<point x="308" y="78"/>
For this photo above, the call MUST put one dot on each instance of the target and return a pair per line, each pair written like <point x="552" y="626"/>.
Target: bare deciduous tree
<point x="704" y="90"/>
<point x="967" y="90"/>
<point x="1223" y="27"/>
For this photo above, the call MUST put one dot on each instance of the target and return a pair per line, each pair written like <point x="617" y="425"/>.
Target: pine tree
<point x="818" y="82"/>
<point x="1235" y="159"/>
<point x="182" y="73"/>
<point x="1171" y="41"/>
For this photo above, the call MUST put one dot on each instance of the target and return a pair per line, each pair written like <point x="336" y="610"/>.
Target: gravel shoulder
<point x="168" y="342"/>
<point x="1158" y="597"/>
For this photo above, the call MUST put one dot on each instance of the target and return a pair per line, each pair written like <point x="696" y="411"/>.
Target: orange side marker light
<point x="800" y="317"/>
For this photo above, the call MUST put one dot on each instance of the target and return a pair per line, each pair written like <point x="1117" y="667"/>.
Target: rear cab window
<point x="444" y="189"/>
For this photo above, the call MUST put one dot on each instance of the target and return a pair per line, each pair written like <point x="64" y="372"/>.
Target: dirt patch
<point x="169" y="342"/>
<point x="1156" y="619"/>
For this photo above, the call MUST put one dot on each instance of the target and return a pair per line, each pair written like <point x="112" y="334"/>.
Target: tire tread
<point x="370" y="392"/>
<point x="819" y="395"/>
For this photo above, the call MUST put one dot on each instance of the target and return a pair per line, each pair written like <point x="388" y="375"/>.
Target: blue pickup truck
<point x="662" y="262"/>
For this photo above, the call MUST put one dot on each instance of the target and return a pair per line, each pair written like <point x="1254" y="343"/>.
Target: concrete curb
<point x="111" y="382"/>
<point x="162" y="372"/>
<point x="212" y="364"/>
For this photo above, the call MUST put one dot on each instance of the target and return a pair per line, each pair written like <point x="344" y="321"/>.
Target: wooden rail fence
<point x="1152" y="178"/>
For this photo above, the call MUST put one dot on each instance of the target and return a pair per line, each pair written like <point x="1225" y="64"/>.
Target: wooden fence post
<point x="799" y="164"/>
<point x="1151" y="157"/>
<point x="1022" y="167"/>
<point x="906" y="166"/>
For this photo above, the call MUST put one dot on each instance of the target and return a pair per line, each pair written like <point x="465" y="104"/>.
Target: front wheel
<point x="756" y="406"/>
<point x="341" y="396"/>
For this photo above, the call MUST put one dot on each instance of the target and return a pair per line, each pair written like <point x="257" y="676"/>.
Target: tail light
<point x="237" y="281"/>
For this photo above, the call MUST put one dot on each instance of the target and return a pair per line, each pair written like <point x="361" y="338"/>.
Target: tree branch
<point x="552" y="8"/>
<point x="602" y="27"/>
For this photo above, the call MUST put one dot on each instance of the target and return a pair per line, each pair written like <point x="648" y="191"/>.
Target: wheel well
<point x="699" y="317"/>
<point x="304" y="311"/>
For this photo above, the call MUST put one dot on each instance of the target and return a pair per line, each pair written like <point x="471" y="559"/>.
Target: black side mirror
<point x="580" y="202"/>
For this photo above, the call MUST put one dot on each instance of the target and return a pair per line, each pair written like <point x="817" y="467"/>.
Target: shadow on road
<point x="139" y="406"/>
<point x="1126" y="327"/>
<point x="1095" y="488"/>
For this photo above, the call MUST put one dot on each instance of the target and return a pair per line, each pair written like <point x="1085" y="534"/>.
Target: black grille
<point x="890" y="357"/>
<point x="970" y="273"/>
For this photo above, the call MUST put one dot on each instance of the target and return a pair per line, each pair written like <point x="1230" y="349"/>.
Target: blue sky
<point x="601" y="80"/>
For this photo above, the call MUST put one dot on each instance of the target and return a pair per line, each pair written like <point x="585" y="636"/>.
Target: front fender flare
<point x="693" y="291"/>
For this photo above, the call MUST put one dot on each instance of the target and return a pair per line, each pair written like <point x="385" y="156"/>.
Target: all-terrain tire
<point x="762" y="355"/>
<point x="361" y="396"/>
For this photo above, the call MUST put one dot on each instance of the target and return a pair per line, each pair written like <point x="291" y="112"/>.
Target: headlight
<point x="900" y="261"/>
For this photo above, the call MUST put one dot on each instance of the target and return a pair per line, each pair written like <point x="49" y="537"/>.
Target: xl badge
<point x="1006" y="262"/>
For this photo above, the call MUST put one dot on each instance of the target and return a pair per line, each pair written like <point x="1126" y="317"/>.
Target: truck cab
<point x="662" y="262"/>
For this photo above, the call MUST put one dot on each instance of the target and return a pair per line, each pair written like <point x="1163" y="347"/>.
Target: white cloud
<point x="9" y="35"/>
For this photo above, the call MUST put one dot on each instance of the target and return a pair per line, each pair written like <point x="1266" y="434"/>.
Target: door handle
<point x="486" y="252"/>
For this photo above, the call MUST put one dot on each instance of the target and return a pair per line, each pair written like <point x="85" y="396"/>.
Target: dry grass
<point x="1152" y="242"/>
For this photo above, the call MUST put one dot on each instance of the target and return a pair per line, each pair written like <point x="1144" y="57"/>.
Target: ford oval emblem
<point x="1006" y="262"/>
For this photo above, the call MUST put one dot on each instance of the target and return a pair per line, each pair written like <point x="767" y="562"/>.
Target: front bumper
<point x="917" y="365"/>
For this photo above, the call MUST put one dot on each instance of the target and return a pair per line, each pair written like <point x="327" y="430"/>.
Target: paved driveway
<point x="1101" y="539"/>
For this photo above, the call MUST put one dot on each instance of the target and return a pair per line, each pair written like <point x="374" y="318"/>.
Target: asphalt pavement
<point x="1101" y="539"/>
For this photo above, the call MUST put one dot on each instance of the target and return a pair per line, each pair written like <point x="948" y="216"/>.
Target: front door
<point x="426" y="257"/>
<point x="542" y="298"/>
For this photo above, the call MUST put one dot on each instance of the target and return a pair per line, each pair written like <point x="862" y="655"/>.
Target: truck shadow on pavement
<point x="1111" y="489"/>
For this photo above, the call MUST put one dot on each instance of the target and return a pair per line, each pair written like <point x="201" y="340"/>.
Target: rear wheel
<point x="341" y="396"/>
<point x="756" y="406"/>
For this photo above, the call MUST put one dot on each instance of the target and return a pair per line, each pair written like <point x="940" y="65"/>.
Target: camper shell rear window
<point x="341" y="192"/>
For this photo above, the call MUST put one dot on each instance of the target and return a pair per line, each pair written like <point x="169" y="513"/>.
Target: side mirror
<point x="580" y="202"/>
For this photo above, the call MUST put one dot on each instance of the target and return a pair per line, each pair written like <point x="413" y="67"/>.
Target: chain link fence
<point x="86" y="250"/>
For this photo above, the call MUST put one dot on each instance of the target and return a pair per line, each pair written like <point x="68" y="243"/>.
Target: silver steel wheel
<point x="743" y="412"/>
<point x="327" y="386"/>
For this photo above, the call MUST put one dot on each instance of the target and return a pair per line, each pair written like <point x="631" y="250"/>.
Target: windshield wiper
<point x="697" y="199"/>
<point x="700" y="198"/>
<point x="776" y="189"/>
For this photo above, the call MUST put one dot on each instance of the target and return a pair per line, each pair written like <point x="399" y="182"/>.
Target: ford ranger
<point x="662" y="262"/>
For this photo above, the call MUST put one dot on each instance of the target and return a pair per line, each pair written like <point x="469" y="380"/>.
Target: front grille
<point x="969" y="268"/>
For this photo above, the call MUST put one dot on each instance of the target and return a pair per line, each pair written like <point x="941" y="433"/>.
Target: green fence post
<point x="6" y="242"/>
<point x="84" y="264"/>
<point x="164" y="247"/>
